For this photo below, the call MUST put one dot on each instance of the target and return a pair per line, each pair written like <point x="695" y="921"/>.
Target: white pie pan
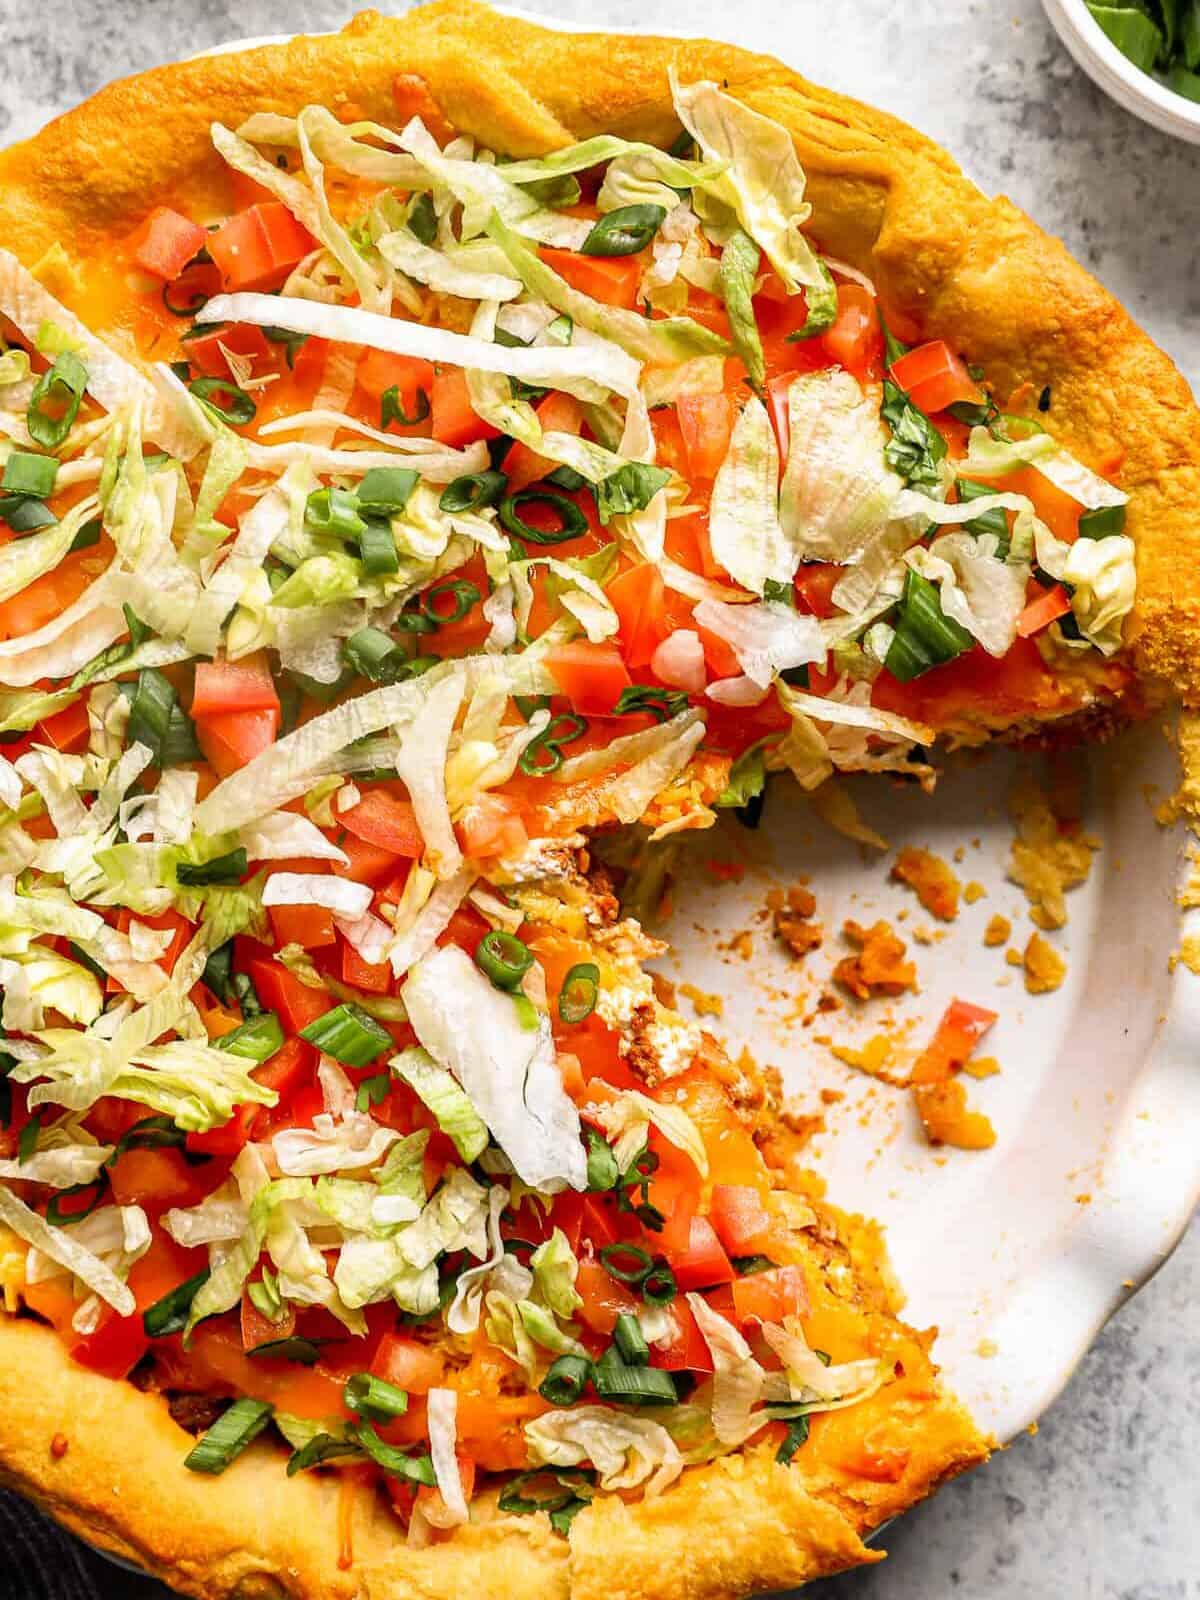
<point x="1021" y="1253"/>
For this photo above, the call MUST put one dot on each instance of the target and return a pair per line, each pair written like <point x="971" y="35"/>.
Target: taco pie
<point x="426" y="450"/>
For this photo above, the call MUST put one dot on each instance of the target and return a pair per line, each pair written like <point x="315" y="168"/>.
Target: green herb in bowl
<point x="1159" y="36"/>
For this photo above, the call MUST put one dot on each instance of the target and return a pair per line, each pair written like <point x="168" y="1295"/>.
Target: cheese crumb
<point x="1050" y="853"/>
<point x="1045" y="969"/>
<point x="997" y="930"/>
<point x="935" y="883"/>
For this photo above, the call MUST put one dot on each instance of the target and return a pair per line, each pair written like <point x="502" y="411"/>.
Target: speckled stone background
<point x="1103" y="1504"/>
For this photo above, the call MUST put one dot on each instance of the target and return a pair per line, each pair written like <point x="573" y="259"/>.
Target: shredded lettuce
<point x="508" y="1071"/>
<point x="63" y="1247"/>
<point x="982" y="593"/>
<point x="442" y="1414"/>
<point x="767" y="637"/>
<point x="627" y="1119"/>
<point x="626" y="1451"/>
<point x="737" y="1376"/>
<point x="992" y="457"/>
<point x="437" y="1089"/>
<point x="744" y="527"/>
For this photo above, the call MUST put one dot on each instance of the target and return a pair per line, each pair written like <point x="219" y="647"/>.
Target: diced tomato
<point x="409" y="1365"/>
<point x="207" y="353"/>
<point x="933" y="377"/>
<point x="224" y="687"/>
<point x="706" y="422"/>
<point x="411" y="97"/>
<point x="492" y="826"/>
<point x="454" y="420"/>
<point x="855" y="340"/>
<point x="369" y="863"/>
<point x="604" y="1299"/>
<point x="66" y="730"/>
<point x="230" y="741"/>
<point x="257" y="1329"/>
<point x="638" y="596"/>
<point x="1042" y="610"/>
<point x="115" y="1346"/>
<point x="687" y="1350"/>
<point x="380" y="818"/>
<point x="814" y="584"/>
<point x="961" y="1028"/>
<point x="740" y="1219"/>
<point x="309" y="926"/>
<point x="380" y="370"/>
<point x="592" y="676"/>
<point x="166" y="242"/>
<point x="158" y="1180"/>
<point x="777" y="404"/>
<point x="168" y="921"/>
<point x="296" y="1004"/>
<point x="257" y="248"/>
<point x="769" y="1296"/>
<point x="361" y="974"/>
<point x="613" y="280"/>
<point x="557" y="413"/>
<point x="584" y="1216"/>
<point x="286" y="1072"/>
<point x="718" y="654"/>
<point x="704" y="1262"/>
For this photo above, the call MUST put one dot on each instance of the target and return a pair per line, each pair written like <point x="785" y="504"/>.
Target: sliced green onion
<point x="566" y="1380"/>
<point x="658" y="1286"/>
<point x="320" y="1448"/>
<point x="503" y="957"/>
<point x="373" y="654"/>
<point x="235" y="407"/>
<point x="305" y="1352"/>
<point x="462" y="595"/>
<point x="414" y="621"/>
<point x="23" y="513"/>
<point x="377" y="548"/>
<point x="57" y="1217"/>
<point x="566" y="478"/>
<point x="196" y="300"/>
<point x="515" y="1502"/>
<point x="797" y="1435"/>
<point x="391" y="408"/>
<point x="422" y="218"/>
<point x="473" y="491"/>
<point x="527" y="704"/>
<point x="372" y="1091"/>
<point x="246" y="995"/>
<point x="180" y="746"/>
<point x="293" y="342"/>
<point x="571" y="519"/>
<point x="993" y="521"/>
<point x="544" y="755"/>
<point x="170" y="1314"/>
<point x="28" y="1137"/>
<point x="630" y="1340"/>
<point x="746" y="1266"/>
<point x="602" y="1170"/>
<point x="925" y="637"/>
<point x="561" y="330"/>
<point x="265" y="1297"/>
<point x="661" y="704"/>
<point x="229" y="868"/>
<point x="150" y="1133"/>
<point x="334" y="511"/>
<point x="577" y="997"/>
<point x="54" y="403"/>
<point x="374" y="1398"/>
<point x="153" y="701"/>
<point x="387" y="488"/>
<point x="27" y="474"/>
<point x="229" y="1435"/>
<point x="1101" y="522"/>
<point x="625" y="231"/>
<point x="257" y="1039"/>
<point x="417" y="1469"/>
<point x="627" y="1263"/>
<point x="349" y="1035"/>
<point x="615" y="1379"/>
<point x="218" y="972"/>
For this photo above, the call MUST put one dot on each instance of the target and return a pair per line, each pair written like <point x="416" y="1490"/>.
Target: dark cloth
<point x="38" y="1561"/>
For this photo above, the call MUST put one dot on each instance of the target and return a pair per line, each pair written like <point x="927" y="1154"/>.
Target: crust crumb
<point x="879" y="966"/>
<point x="974" y="891"/>
<point x="1045" y="969"/>
<point x="997" y="930"/>
<point x="1050" y="853"/>
<point x="983" y="1067"/>
<point x="707" y="1005"/>
<point x="1189" y="952"/>
<point x="877" y="1058"/>
<point x="947" y="1119"/>
<point x="934" y="882"/>
<point x="791" y="916"/>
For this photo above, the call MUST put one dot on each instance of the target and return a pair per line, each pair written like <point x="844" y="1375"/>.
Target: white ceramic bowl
<point x="1128" y="85"/>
